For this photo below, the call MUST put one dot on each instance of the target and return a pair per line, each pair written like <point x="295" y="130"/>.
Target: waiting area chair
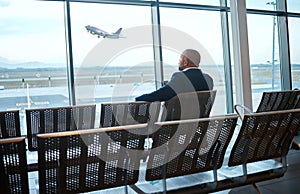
<point x="189" y="156"/>
<point x="296" y="141"/>
<point x="278" y="100"/>
<point x="90" y="160"/>
<point x="190" y="105"/>
<point x="56" y="119"/>
<point x="262" y="145"/>
<point x="274" y="101"/>
<point x="128" y="113"/>
<point x="10" y="124"/>
<point x="13" y="165"/>
<point x="181" y="149"/>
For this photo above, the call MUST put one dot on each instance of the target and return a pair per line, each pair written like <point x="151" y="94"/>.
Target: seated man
<point x="189" y="78"/>
<point x="209" y="80"/>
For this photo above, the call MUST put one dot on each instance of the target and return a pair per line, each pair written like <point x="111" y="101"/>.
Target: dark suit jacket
<point x="181" y="82"/>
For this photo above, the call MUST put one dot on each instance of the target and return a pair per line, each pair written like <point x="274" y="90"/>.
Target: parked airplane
<point x="96" y="31"/>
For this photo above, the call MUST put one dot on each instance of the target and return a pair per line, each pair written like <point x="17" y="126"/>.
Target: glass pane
<point x="199" y="2"/>
<point x="112" y="68"/>
<point x="294" y="28"/>
<point x="261" y="4"/>
<point x="264" y="55"/>
<point x="293" y="6"/>
<point x="191" y="29"/>
<point x="33" y="56"/>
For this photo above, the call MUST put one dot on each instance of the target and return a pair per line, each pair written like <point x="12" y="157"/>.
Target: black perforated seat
<point x="89" y="160"/>
<point x="55" y="119"/>
<point x="128" y="113"/>
<point x="13" y="166"/>
<point x="190" y="105"/>
<point x="10" y="124"/>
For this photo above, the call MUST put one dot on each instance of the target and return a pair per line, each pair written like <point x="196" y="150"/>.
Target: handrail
<point x="244" y="108"/>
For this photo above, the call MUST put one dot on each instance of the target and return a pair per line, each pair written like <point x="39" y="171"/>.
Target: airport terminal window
<point x="294" y="28"/>
<point x="261" y="4"/>
<point x="193" y="29"/>
<point x="264" y="55"/>
<point x="32" y="56"/>
<point x="293" y="6"/>
<point x="199" y="2"/>
<point x="111" y="68"/>
<point x="33" y="50"/>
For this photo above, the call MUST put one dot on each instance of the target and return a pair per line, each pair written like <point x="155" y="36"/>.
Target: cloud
<point x="4" y="3"/>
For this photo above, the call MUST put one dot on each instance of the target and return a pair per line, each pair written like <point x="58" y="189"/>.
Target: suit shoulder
<point x="177" y="73"/>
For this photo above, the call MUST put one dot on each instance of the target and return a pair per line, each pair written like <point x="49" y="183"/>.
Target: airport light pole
<point x="273" y="43"/>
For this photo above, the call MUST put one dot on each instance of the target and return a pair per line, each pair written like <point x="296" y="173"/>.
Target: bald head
<point x="193" y="56"/>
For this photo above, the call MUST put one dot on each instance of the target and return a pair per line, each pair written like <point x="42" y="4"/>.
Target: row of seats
<point x="70" y="118"/>
<point x="278" y="128"/>
<point x="195" y="155"/>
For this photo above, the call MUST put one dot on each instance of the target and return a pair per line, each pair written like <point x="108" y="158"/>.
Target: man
<point x="189" y="79"/>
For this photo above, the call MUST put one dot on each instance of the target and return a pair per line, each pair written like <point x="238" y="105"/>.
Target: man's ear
<point x="185" y="61"/>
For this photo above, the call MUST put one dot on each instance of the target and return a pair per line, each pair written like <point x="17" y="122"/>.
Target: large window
<point x="33" y="70"/>
<point x="193" y="29"/>
<point x="261" y="4"/>
<point x="293" y="6"/>
<point x="294" y="28"/>
<point x="264" y="55"/>
<point x="199" y="2"/>
<point x="32" y="55"/>
<point x="112" y="69"/>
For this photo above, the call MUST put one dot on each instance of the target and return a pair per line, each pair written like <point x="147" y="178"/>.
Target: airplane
<point x="96" y="31"/>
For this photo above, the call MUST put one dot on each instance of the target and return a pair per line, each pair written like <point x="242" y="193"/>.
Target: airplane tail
<point x="118" y="31"/>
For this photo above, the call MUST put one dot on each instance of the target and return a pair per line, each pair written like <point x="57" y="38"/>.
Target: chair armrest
<point x="245" y="108"/>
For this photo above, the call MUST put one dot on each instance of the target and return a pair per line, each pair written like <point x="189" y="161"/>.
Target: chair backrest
<point x="55" y="119"/>
<point x="88" y="160"/>
<point x="209" y="80"/>
<point x="297" y="104"/>
<point x="190" y="105"/>
<point x="10" y="124"/>
<point x="278" y="100"/>
<point x="189" y="146"/>
<point x="13" y="166"/>
<point x="264" y="136"/>
<point x="128" y="113"/>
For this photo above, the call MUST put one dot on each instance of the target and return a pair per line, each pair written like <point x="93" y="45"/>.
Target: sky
<point x="34" y="30"/>
<point x="31" y="30"/>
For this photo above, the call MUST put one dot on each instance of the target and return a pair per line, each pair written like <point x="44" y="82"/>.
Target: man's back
<point x="181" y="82"/>
<point x="188" y="81"/>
